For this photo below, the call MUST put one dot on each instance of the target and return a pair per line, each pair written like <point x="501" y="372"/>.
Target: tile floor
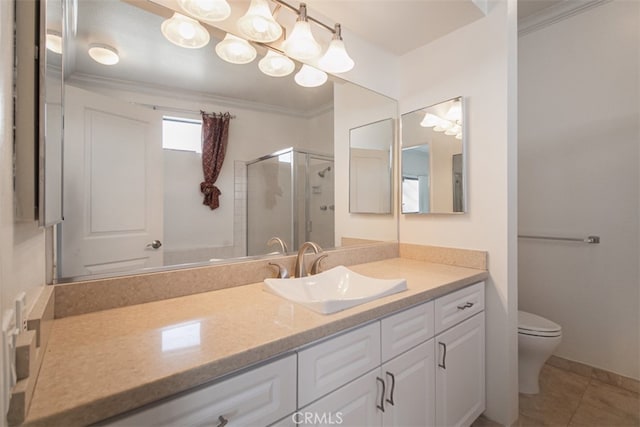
<point x="570" y="399"/>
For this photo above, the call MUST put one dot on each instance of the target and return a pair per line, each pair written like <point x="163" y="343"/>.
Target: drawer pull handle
<point x="393" y="387"/>
<point x="223" y="421"/>
<point x="465" y="306"/>
<point x="381" y="405"/>
<point x="444" y="355"/>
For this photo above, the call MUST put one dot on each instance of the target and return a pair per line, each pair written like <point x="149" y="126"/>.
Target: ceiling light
<point x="54" y="41"/>
<point x="258" y="23"/>
<point x="455" y="112"/>
<point x="207" y="10"/>
<point x="276" y="65"/>
<point x="309" y="76"/>
<point x="336" y="59"/>
<point x="185" y="32"/>
<point x="300" y="44"/>
<point x="236" y="50"/>
<point x="430" y="120"/>
<point x="103" y="54"/>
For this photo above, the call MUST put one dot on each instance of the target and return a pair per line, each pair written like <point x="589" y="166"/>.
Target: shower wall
<point x="578" y="137"/>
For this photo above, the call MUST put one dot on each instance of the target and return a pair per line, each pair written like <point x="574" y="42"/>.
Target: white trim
<point x="556" y="13"/>
<point x="88" y="81"/>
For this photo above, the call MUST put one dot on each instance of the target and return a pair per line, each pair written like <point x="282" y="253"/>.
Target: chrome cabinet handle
<point x="155" y="244"/>
<point x="444" y="355"/>
<point x="223" y="421"/>
<point x="465" y="306"/>
<point x="393" y="387"/>
<point x="381" y="405"/>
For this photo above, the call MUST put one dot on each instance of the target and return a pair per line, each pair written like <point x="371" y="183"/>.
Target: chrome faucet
<point x="279" y="241"/>
<point x="300" y="271"/>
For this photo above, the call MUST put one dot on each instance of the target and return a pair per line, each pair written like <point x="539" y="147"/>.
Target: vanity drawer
<point x="407" y="329"/>
<point x="330" y="364"/>
<point x="460" y="305"/>
<point x="257" y="397"/>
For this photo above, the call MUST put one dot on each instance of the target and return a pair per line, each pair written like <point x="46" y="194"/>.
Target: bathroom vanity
<point x="246" y="357"/>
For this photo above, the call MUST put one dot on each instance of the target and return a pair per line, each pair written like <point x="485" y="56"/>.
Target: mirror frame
<point x="465" y="151"/>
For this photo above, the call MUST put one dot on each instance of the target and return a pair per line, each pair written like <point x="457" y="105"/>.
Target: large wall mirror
<point x="132" y="150"/>
<point x="433" y="159"/>
<point x="370" y="161"/>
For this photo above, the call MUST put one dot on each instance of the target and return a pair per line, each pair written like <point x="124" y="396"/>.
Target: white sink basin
<point x="333" y="290"/>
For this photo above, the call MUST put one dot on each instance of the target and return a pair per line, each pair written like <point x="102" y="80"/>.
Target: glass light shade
<point x="185" y="32"/>
<point x="103" y="54"/>
<point x="453" y="130"/>
<point x="459" y="135"/>
<point x="236" y="50"/>
<point x="207" y="10"/>
<point x="276" y="65"/>
<point x="430" y="120"/>
<point x="309" y="76"/>
<point x="336" y="59"/>
<point x="455" y="112"/>
<point x="258" y="23"/>
<point x="54" y="41"/>
<point x="300" y="44"/>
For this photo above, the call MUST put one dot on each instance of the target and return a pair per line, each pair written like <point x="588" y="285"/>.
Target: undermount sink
<point x="333" y="290"/>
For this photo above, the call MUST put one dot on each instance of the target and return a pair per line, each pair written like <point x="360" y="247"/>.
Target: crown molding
<point x="89" y="81"/>
<point x="556" y="13"/>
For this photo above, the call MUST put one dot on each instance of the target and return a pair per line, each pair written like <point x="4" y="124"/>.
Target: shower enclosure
<point x="290" y="195"/>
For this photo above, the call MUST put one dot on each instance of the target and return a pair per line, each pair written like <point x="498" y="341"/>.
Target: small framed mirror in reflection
<point x="433" y="159"/>
<point x="370" y="160"/>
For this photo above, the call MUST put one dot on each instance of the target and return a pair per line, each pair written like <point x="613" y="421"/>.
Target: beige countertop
<point x="101" y="364"/>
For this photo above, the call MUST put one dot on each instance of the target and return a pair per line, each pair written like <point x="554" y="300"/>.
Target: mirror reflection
<point x="134" y="152"/>
<point x="433" y="150"/>
<point x="370" y="149"/>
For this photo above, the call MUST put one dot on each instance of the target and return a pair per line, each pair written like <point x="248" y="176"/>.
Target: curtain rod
<point x="173" y="109"/>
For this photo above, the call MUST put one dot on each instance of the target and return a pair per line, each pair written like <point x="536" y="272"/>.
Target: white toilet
<point x="537" y="338"/>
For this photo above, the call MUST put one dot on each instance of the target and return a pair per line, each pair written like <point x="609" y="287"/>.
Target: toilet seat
<point x="531" y="324"/>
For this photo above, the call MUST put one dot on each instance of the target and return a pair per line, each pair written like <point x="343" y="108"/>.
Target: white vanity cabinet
<point x="460" y="356"/>
<point x="260" y="396"/>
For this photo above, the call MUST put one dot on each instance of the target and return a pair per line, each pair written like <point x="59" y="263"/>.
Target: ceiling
<point x="148" y="59"/>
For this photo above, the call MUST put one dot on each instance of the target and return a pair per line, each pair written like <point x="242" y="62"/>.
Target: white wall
<point x="354" y="107"/>
<point x="578" y="162"/>
<point x="478" y="62"/>
<point x="22" y="246"/>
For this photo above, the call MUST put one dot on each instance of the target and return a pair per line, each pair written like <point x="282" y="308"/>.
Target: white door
<point x="354" y="405"/>
<point x="112" y="185"/>
<point x="410" y="388"/>
<point x="460" y="394"/>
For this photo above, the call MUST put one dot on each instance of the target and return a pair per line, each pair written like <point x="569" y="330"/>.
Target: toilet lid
<point x="528" y="322"/>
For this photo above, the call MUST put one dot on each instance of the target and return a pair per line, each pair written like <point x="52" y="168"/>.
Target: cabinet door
<point x="406" y="329"/>
<point x="257" y="397"/>
<point x="460" y="394"/>
<point x="410" y="388"/>
<point x="353" y="405"/>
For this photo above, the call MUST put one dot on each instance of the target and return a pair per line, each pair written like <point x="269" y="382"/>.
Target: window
<point x="181" y="134"/>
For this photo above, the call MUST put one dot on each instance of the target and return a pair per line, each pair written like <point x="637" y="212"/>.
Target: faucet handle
<point x="283" y="273"/>
<point x="315" y="267"/>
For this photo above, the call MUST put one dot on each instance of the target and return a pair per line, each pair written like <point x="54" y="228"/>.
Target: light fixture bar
<point x="309" y="18"/>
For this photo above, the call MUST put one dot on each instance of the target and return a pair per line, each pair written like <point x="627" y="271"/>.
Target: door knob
<point x="155" y="244"/>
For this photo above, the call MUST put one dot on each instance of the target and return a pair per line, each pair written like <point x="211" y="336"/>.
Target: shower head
<point x="324" y="171"/>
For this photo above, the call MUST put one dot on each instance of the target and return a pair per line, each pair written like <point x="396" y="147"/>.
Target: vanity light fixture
<point x="430" y="120"/>
<point x="258" y="23"/>
<point x="275" y="65"/>
<point x="301" y="44"/>
<point x="185" y="32"/>
<point x="103" y="54"/>
<point x="309" y="76"/>
<point x="207" y="10"/>
<point x="336" y="59"/>
<point x="54" y="41"/>
<point x="235" y="50"/>
<point x="455" y="112"/>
